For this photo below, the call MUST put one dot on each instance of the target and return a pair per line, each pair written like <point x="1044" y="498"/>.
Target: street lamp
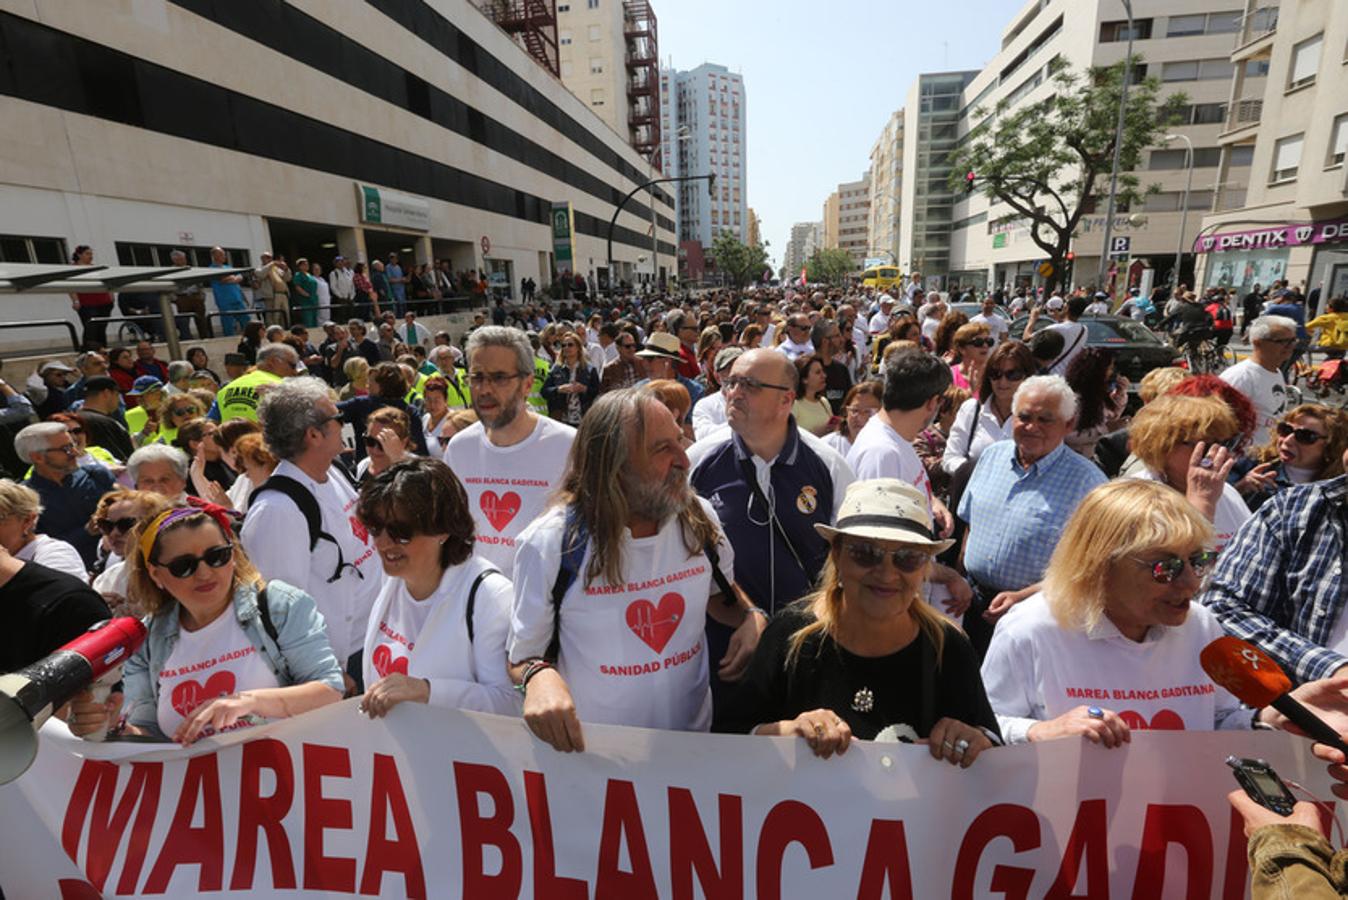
<point x="612" y="222"/>
<point x="1118" y="148"/>
<point x="1184" y="215"/>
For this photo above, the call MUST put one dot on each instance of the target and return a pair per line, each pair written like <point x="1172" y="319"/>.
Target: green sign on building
<point x="563" y="237"/>
<point x="999" y="240"/>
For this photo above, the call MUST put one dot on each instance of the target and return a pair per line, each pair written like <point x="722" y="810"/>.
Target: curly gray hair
<point x="288" y="411"/>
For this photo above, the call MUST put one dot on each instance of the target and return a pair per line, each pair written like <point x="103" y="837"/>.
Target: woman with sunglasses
<point x="985" y="418"/>
<point x="970" y="346"/>
<point x="116" y="514"/>
<point x="20" y="507"/>
<point x="210" y="664"/>
<point x="1112" y="642"/>
<point x="864" y="656"/>
<point x="1308" y="445"/>
<point x="1186" y="444"/>
<point x="572" y="384"/>
<point x="437" y="632"/>
<point x="387" y="441"/>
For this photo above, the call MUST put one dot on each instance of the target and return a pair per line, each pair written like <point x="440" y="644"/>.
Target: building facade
<point x="1284" y="213"/>
<point x="846" y="221"/>
<point x="886" y="190"/>
<point x="143" y="127"/>
<point x="1184" y="43"/>
<point x="805" y="237"/>
<point x="704" y="134"/>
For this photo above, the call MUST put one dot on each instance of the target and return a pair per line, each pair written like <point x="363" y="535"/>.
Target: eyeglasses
<point x="1304" y="436"/>
<point x="74" y="430"/>
<point x="1164" y="571"/>
<point x="399" y="534"/>
<point x="67" y="449"/>
<point x="1286" y="340"/>
<point x="186" y="566"/>
<point x="322" y="423"/>
<point x="1012" y="375"/>
<point x="108" y="526"/>
<point x="868" y="556"/>
<point x="183" y="411"/>
<point x="980" y="342"/>
<point x="861" y="411"/>
<point x="495" y="379"/>
<point x="752" y="385"/>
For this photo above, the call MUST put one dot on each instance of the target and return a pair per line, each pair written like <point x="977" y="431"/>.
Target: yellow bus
<point x="881" y="277"/>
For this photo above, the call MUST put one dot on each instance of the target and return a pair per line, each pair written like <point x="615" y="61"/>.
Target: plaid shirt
<point x="1279" y="583"/>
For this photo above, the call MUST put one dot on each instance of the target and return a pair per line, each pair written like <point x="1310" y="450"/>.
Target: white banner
<point x="437" y="803"/>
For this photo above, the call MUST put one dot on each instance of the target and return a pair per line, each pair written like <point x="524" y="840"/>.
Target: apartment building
<point x="1184" y="43"/>
<point x="1280" y="185"/>
<point x="805" y="237"/>
<point x="846" y="221"/>
<point x="886" y="190"/>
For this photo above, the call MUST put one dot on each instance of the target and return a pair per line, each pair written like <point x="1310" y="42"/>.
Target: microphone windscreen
<point x="1244" y="670"/>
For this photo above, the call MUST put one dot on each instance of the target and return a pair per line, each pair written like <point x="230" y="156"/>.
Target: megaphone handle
<point x="101" y="689"/>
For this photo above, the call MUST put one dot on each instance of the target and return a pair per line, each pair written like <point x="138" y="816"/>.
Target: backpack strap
<point x="472" y="600"/>
<point x="308" y="507"/>
<point x="268" y="626"/>
<point x="575" y="539"/>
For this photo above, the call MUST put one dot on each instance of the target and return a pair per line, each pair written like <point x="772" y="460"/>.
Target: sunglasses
<point x="980" y="342"/>
<point x="399" y="534"/>
<point x="186" y="566"/>
<point x="108" y="526"/>
<point x="75" y="430"/>
<point x="1006" y="375"/>
<point x="1164" y="571"/>
<point x="183" y="411"/>
<point x="868" y="556"/>
<point x="1304" y="436"/>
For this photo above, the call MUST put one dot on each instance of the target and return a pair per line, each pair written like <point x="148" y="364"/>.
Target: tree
<point x="1050" y="162"/>
<point x="829" y="265"/>
<point x="740" y="263"/>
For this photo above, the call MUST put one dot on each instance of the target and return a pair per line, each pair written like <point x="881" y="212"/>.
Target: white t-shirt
<point x="996" y="324"/>
<point x="1230" y="514"/>
<point x="708" y="415"/>
<point x="113" y="580"/>
<point x="210" y="662"/>
<point x="239" y="492"/>
<point x="429" y="639"/>
<point x="634" y="653"/>
<point x="1074" y="341"/>
<point x="48" y="551"/>
<point x="931" y="325"/>
<point x="879" y="323"/>
<point x="1037" y="670"/>
<point x="1266" y="390"/>
<point x="986" y="432"/>
<point x="881" y="452"/>
<point x="508" y="486"/>
<point x="276" y="538"/>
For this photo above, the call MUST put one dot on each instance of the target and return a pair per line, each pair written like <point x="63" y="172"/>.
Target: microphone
<point x="29" y="696"/>
<point x="1256" y="680"/>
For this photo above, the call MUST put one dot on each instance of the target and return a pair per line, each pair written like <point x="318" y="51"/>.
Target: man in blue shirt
<point x="228" y="293"/>
<point x="69" y="491"/>
<point x="1019" y="498"/>
<point x="397" y="283"/>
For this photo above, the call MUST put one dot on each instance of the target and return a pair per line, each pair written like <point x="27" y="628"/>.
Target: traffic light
<point x="711" y="185"/>
<point x="969" y="182"/>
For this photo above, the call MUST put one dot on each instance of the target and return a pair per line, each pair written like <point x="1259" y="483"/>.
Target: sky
<point x="821" y="78"/>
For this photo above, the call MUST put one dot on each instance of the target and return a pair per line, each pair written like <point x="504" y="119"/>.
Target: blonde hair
<point x="392" y="418"/>
<point x="461" y="418"/>
<point x="1336" y="437"/>
<point x="1174" y="419"/>
<point x="151" y="597"/>
<point x="1160" y="381"/>
<point x="1117" y="520"/>
<point x="357" y="370"/>
<point x="18" y="500"/>
<point x="150" y="503"/>
<point x="825" y="604"/>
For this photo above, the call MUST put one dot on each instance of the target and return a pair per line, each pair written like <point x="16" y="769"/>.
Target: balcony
<point x="1242" y="121"/>
<point x="1229" y="196"/>
<point x="1256" y="33"/>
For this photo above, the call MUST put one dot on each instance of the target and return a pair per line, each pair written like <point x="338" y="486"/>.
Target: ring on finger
<point x="949" y="745"/>
<point x="961" y="746"/>
<point x="1095" y="712"/>
<point x="1206" y="462"/>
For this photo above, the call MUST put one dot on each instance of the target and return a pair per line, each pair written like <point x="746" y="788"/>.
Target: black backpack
<point x="313" y="516"/>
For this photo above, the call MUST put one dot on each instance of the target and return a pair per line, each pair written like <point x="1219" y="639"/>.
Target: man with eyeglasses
<point x="1018" y="501"/>
<point x="512" y="459"/>
<point x="301" y="526"/>
<point x="1273" y="340"/>
<point x="626" y="369"/>
<point x="69" y="491"/>
<point x="797" y="342"/>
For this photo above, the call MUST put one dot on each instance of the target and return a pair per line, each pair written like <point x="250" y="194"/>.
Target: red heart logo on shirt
<point x="384" y="663"/>
<point x="188" y="695"/>
<point x="654" y="623"/>
<point x="499" y="510"/>
<point x="1164" y="720"/>
<point x="359" y="530"/>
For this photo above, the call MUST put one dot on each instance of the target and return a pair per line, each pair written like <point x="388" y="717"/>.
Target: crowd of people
<point x="835" y="514"/>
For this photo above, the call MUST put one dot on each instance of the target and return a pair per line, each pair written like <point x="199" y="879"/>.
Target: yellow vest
<point x="239" y="398"/>
<point x="541" y="369"/>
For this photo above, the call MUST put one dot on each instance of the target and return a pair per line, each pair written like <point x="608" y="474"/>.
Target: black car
<point x="1136" y="350"/>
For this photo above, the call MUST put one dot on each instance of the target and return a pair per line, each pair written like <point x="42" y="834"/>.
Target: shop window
<point x="1287" y="158"/>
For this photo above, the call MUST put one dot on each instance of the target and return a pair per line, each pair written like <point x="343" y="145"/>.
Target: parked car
<point x="973" y="309"/>
<point x="1137" y="349"/>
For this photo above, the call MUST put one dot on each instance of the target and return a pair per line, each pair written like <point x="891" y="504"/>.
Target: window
<point x="20" y="249"/>
<point x="1338" y="141"/>
<point x="1287" y="158"/>
<point x="597" y="97"/>
<point x="563" y="7"/>
<point x="566" y="68"/>
<point x="1204" y="158"/>
<point x="594" y="32"/>
<point x="1180" y="26"/>
<point x="1197" y="70"/>
<point x="1305" y="62"/>
<point x="1111" y="32"/>
<point x="564" y="38"/>
<point x="1224" y="22"/>
<point x="596" y="65"/>
<point x="1180" y="71"/>
<point x="1256" y="68"/>
<point x="1173" y="201"/>
<point x="592" y="4"/>
<point x="130" y="254"/>
<point x="1241" y="156"/>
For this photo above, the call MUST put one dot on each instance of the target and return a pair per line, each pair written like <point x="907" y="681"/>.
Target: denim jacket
<point x="300" y="654"/>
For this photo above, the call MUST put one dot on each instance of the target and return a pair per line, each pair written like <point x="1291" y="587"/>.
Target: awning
<point x="16" y="278"/>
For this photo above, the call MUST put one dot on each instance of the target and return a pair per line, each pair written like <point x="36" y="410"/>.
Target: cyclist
<point x="1223" y="320"/>
<point x="1189" y="325"/>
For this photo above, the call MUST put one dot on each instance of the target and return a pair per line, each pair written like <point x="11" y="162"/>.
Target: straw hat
<point x="885" y="509"/>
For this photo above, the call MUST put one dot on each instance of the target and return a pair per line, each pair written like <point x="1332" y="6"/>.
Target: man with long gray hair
<point x="301" y="525"/>
<point x="614" y="582"/>
<point x="511" y="459"/>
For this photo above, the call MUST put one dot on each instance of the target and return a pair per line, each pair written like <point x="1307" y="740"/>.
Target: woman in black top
<point x="865" y="654"/>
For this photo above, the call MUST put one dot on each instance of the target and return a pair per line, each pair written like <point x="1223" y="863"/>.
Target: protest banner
<point x="440" y="803"/>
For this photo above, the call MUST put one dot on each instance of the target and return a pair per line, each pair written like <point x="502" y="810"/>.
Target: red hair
<point x="1212" y="386"/>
